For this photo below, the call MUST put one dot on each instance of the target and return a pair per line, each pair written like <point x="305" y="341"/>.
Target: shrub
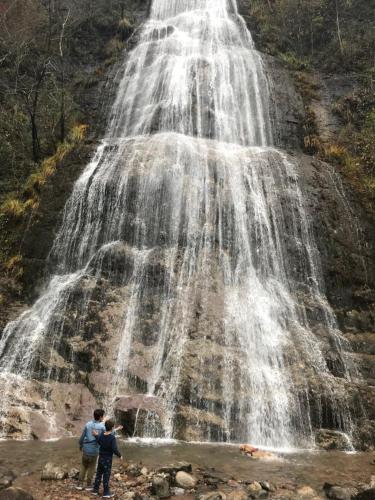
<point x="14" y="266"/>
<point x="13" y="208"/>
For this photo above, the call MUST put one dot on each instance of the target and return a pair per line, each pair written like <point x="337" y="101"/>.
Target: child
<point x="90" y="450"/>
<point x="108" y="447"/>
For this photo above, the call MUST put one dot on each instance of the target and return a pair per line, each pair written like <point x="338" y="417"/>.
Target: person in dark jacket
<point x="107" y="448"/>
<point x="90" y="450"/>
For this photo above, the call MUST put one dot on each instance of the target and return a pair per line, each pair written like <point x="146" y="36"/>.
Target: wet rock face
<point x="82" y="363"/>
<point x="331" y="440"/>
<point x="133" y="412"/>
<point x="287" y="109"/>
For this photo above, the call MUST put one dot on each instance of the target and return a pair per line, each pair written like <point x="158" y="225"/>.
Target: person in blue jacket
<point x="108" y="447"/>
<point x="90" y="450"/>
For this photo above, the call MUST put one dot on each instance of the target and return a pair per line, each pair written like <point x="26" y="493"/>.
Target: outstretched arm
<point x="115" y="449"/>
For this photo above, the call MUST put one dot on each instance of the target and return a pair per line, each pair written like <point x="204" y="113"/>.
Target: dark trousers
<point x="103" y="471"/>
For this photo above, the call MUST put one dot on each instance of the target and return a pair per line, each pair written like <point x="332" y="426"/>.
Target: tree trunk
<point x="35" y="138"/>
<point x="339" y="29"/>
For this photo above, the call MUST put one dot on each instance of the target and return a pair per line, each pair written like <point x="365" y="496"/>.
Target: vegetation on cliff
<point x="329" y="37"/>
<point x="54" y="56"/>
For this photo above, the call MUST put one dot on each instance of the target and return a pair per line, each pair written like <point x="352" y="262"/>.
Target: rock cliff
<point x="345" y="236"/>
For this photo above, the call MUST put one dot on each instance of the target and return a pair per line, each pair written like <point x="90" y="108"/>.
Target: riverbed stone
<point x="213" y="479"/>
<point x="255" y="490"/>
<point x="6" y="478"/>
<point x="213" y="495"/>
<point x="73" y="473"/>
<point x="266" y="485"/>
<point x="340" y="493"/>
<point x="53" y="472"/>
<point x="133" y="469"/>
<point x="306" y="492"/>
<point x="185" y="480"/>
<point x="177" y="492"/>
<point x="160" y="487"/>
<point x="328" y="439"/>
<point x="13" y="493"/>
<point x="239" y="494"/>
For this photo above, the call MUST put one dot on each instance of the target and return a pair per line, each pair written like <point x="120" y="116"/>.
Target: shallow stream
<point x="27" y="458"/>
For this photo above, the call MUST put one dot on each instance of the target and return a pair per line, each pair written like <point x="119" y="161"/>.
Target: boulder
<point x="212" y="479"/>
<point x="237" y="495"/>
<point x="133" y="470"/>
<point x="339" y="493"/>
<point x="160" y="487"/>
<point x="73" y="473"/>
<point x="328" y="439"/>
<point x="306" y="492"/>
<point x="254" y="486"/>
<point x="15" y="494"/>
<point x="255" y="490"/>
<point x="6" y="478"/>
<point x="267" y="486"/>
<point x="53" y="472"/>
<point x="185" y="480"/>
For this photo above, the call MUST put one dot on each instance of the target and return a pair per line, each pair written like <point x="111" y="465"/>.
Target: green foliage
<point x="294" y="62"/>
<point x="357" y="111"/>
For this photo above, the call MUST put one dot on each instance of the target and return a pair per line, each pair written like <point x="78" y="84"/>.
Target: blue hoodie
<point x="87" y="441"/>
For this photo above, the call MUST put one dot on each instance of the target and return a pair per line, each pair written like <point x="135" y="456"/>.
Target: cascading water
<point x="197" y="226"/>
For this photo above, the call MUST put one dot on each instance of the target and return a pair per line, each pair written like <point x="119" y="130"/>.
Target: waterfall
<point x="192" y="229"/>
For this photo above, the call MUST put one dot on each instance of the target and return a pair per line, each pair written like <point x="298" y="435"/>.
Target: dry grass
<point x="14" y="267"/>
<point x="15" y="208"/>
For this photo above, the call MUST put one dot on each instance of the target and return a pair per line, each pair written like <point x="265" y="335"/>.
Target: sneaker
<point x="80" y="488"/>
<point x="109" y="495"/>
<point x="89" y="488"/>
<point x="95" y="493"/>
